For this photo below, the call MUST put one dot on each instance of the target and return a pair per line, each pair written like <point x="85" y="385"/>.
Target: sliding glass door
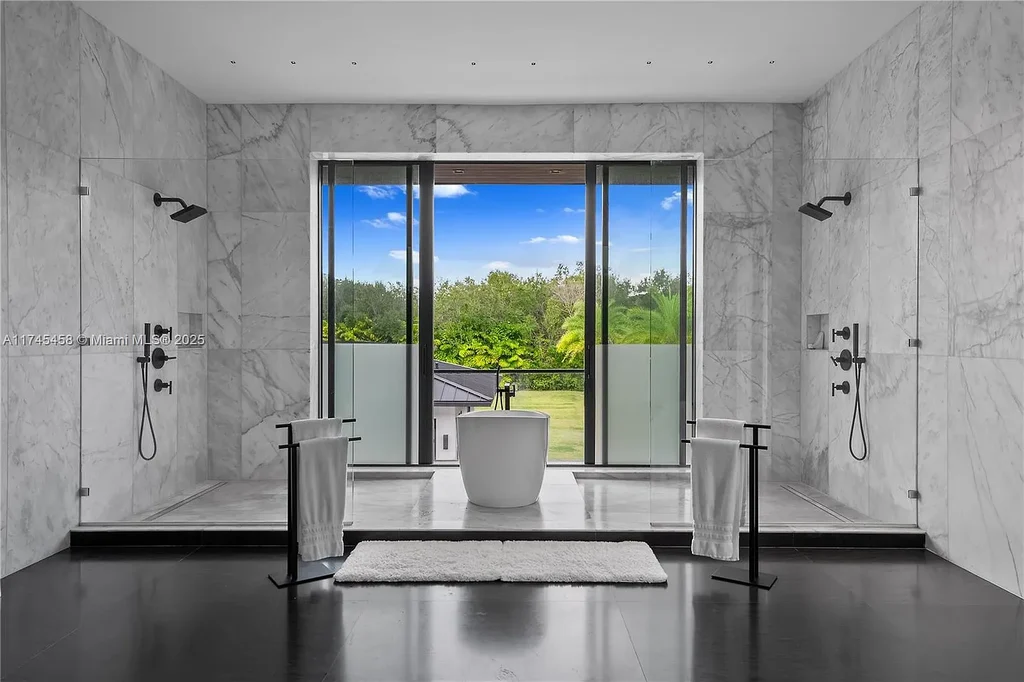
<point x="558" y="287"/>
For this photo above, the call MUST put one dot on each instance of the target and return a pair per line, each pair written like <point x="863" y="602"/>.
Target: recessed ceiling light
<point x="533" y="63"/>
<point x="233" y="61"/>
<point x="648" y="63"/>
<point x="556" y="171"/>
<point x="293" y="61"/>
<point x="458" y="171"/>
<point x="711" y="61"/>
<point x="772" y="61"/>
<point x="472" y="63"/>
<point x="353" y="63"/>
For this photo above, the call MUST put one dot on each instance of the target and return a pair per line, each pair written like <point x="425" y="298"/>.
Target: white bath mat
<point x="512" y="561"/>
<point x="580" y="562"/>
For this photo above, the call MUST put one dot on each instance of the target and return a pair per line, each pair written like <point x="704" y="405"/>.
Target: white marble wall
<point x="938" y="102"/>
<point x="259" y="188"/>
<point x="81" y="107"/>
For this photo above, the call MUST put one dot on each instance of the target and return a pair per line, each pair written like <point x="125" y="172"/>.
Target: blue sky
<point x="518" y="228"/>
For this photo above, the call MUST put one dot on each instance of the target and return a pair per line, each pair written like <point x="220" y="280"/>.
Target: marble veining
<point x="933" y="255"/>
<point x="107" y="64"/>
<point x="43" y="456"/>
<point x="191" y="390"/>
<point x="224" y="425"/>
<point x="988" y="66"/>
<point x="109" y="382"/>
<point x="891" y="416"/>
<point x="156" y="262"/>
<point x="275" y="185"/>
<point x="987" y="244"/>
<point x="786" y="457"/>
<point x="184" y="178"/>
<point x="850" y="102"/>
<point x="935" y="77"/>
<point x="41" y="66"/>
<point x="784" y="279"/>
<point x="373" y="127"/>
<point x="849" y="276"/>
<point x="736" y="262"/>
<point x="192" y="256"/>
<point x="641" y="128"/>
<point x="275" y="131"/>
<point x="986" y="472"/>
<point x="847" y="477"/>
<point x="224" y="185"/>
<point x="893" y="117"/>
<point x="893" y="256"/>
<point x="274" y="389"/>
<point x="815" y="247"/>
<point x="933" y="452"/>
<point x="814" y="415"/>
<point x="161" y="477"/>
<point x="223" y="131"/>
<point x="738" y="185"/>
<point x="787" y="130"/>
<point x="737" y="131"/>
<point x="224" y="280"/>
<point x="107" y="243"/>
<point x="275" y="280"/>
<point x="43" y="262"/>
<point x="473" y="128"/>
<point x="735" y="385"/>
<point x="169" y="122"/>
<point x="815" y="125"/>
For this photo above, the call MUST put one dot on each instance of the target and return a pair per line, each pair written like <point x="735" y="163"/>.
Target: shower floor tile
<point x="436" y="499"/>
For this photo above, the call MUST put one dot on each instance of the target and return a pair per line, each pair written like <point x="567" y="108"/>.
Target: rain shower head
<point x="188" y="212"/>
<point x="819" y="213"/>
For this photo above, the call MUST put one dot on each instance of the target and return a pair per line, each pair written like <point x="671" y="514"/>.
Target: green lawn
<point x="566" y="427"/>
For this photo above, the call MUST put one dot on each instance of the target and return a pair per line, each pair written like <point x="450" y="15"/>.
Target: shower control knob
<point x="844" y="387"/>
<point x="159" y="385"/>
<point x="160" y="357"/>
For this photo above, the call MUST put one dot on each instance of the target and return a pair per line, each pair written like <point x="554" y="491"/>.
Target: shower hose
<point x="146" y="415"/>
<point x="858" y="416"/>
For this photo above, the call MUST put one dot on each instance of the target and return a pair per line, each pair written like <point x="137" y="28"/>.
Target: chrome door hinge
<point x="83" y="191"/>
<point x="913" y="343"/>
<point x="915" y="191"/>
<point x="83" y="492"/>
<point x="913" y="494"/>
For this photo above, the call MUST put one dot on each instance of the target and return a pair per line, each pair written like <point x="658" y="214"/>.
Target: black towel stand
<point x="753" y="577"/>
<point x="299" y="572"/>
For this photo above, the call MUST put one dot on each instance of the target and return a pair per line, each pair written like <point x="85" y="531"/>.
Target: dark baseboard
<point x="170" y="536"/>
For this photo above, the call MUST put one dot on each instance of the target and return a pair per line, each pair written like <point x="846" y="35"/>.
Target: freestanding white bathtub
<point x="502" y="456"/>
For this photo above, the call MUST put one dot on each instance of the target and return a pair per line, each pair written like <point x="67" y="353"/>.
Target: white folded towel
<point x="307" y="429"/>
<point x="323" y="463"/>
<point x="717" y="475"/>
<point x="730" y="429"/>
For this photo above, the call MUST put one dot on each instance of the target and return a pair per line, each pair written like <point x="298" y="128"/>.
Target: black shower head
<point x="816" y="212"/>
<point x="188" y="212"/>
<point x="819" y="213"/>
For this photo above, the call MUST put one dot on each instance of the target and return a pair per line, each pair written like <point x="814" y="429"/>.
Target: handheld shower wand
<point x="144" y="361"/>
<point x="858" y="412"/>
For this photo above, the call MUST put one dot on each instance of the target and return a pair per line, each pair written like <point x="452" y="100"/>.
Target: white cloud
<point x="560" y="239"/>
<point x="641" y="249"/>
<point x="399" y="254"/>
<point x="540" y="210"/>
<point x="498" y="265"/>
<point x="574" y="210"/>
<point x="381" y="191"/>
<point x="391" y="220"/>
<point x="668" y="202"/>
<point x="446" y="191"/>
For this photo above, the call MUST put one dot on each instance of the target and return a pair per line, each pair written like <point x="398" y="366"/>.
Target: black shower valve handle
<point x="843" y="333"/>
<point x="159" y="331"/>
<point x="160" y="385"/>
<point x="844" y="387"/>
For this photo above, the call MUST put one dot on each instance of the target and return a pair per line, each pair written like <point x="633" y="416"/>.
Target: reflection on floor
<point x="570" y="500"/>
<point x="180" y="613"/>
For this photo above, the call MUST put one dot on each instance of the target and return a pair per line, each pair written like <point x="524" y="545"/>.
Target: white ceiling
<point x="421" y="51"/>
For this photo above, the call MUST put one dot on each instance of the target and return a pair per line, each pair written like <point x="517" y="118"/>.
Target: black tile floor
<point x="211" y="615"/>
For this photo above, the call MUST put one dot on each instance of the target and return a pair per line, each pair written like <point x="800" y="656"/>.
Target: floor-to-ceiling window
<point x="541" y="279"/>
